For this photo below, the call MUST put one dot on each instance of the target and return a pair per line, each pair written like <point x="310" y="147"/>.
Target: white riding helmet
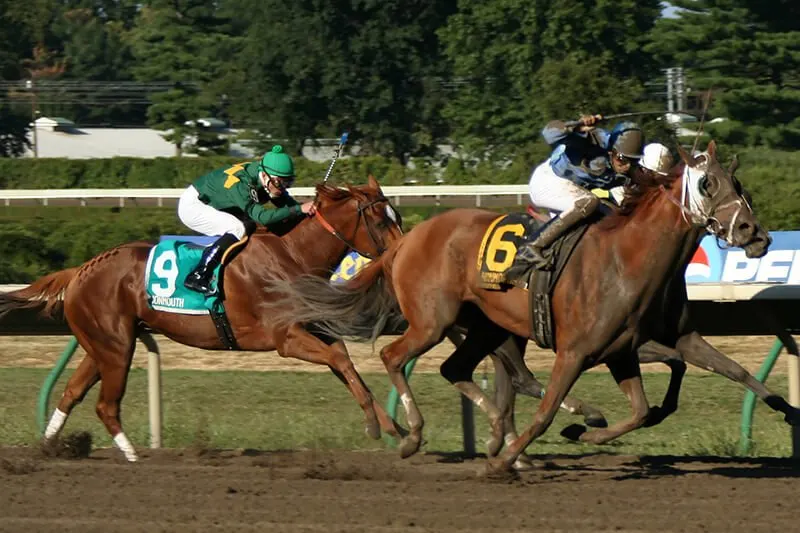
<point x="656" y="158"/>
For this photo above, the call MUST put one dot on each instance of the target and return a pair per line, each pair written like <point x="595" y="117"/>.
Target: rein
<point x="361" y="215"/>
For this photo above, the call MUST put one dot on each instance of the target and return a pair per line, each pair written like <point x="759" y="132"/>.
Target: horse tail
<point x="46" y="292"/>
<point x="360" y="309"/>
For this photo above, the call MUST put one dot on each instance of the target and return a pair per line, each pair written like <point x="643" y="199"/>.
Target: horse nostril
<point x="745" y="227"/>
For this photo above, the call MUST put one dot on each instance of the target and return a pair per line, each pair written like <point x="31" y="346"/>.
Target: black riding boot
<point x="531" y="254"/>
<point x="200" y="278"/>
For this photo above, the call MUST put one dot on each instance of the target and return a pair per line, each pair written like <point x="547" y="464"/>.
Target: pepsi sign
<point x="713" y="264"/>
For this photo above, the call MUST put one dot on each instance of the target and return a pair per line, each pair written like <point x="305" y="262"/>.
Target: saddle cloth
<point x="168" y="264"/>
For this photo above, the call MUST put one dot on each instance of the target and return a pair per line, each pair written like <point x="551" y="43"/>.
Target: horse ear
<point x="373" y="183"/>
<point x="734" y="165"/>
<point x="712" y="148"/>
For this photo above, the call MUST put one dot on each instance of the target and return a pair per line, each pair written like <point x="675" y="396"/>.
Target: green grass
<point x="281" y="410"/>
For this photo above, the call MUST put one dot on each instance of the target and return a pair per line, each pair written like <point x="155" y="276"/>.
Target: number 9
<point x="165" y="268"/>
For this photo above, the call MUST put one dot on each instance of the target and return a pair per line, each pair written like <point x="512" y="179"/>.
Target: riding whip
<point x="338" y="151"/>
<point x="573" y="123"/>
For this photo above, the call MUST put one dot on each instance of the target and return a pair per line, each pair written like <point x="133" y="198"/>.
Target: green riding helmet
<point x="278" y="163"/>
<point x="627" y="139"/>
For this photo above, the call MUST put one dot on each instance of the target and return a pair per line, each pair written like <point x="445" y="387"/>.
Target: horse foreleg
<point x="512" y="353"/>
<point x="296" y="342"/>
<point x="697" y="351"/>
<point x="84" y="378"/>
<point x="627" y="374"/>
<point x="505" y="398"/>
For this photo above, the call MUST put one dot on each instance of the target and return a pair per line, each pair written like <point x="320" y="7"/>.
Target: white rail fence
<point x="400" y="195"/>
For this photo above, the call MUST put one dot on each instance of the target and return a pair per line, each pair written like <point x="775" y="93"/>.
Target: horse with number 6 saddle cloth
<point x="498" y="267"/>
<point x="169" y="262"/>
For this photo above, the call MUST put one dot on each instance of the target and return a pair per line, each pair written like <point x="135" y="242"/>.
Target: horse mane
<point x="642" y="189"/>
<point x="333" y="193"/>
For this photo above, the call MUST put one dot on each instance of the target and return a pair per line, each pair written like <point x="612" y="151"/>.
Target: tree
<point x="94" y="34"/>
<point x="13" y="47"/>
<point x="749" y="53"/>
<point x="368" y="66"/>
<point x="519" y="61"/>
<point x="184" y="42"/>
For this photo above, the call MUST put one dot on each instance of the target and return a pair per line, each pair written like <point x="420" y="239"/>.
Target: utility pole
<point x="680" y="88"/>
<point x="34" y="112"/>
<point x="670" y="93"/>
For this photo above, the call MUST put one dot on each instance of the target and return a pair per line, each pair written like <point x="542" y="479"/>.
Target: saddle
<point x="497" y="254"/>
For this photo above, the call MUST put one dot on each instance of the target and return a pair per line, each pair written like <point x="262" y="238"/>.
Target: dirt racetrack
<point x="42" y="352"/>
<point x="352" y="492"/>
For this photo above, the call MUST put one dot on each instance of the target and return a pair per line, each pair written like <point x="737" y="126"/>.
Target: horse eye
<point x="702" y="186"/>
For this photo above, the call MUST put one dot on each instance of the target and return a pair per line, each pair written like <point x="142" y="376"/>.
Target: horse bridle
<point x="712" y="223"/>
<point x="361" y="215"/>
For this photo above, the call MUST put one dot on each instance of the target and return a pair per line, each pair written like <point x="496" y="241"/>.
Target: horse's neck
<point x="657" y="242"/>
<point x="313" y="247"/>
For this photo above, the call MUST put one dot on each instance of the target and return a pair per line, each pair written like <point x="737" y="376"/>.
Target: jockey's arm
<point x="555" y="131"/>
<point x="285" y="200"/>
<point x="258" y="212"/>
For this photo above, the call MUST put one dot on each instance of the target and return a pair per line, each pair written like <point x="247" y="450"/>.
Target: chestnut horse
<point x="614" y="295"/>
<point x="105" y="303"/>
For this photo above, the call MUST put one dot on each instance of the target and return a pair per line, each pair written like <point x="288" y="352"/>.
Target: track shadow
<point x="729" y="467"/>
<point x="626" y="467"/>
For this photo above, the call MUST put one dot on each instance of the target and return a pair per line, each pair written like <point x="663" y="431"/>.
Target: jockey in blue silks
<point x="584" y="157"/>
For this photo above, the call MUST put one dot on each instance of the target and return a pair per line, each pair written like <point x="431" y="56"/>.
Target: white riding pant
<point x="552" y="192"/>
<point x="204" y="219"/>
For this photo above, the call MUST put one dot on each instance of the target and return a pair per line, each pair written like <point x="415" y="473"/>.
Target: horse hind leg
<point x="112" y="353"/>
<point x="414" y="342"/>
<point x="84" y="378"/>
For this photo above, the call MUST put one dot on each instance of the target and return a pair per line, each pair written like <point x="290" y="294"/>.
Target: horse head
<point x="716" y="199"/>
<point x="360" y="216"/>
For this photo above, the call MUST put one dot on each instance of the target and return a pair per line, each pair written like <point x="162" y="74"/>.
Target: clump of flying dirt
<point x="201" y="443"/>
<point x="74" y="446"/>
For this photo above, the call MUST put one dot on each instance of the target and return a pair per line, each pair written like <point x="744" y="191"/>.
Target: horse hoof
<point x="573" y="432"/>
<point x="372" y="429"/>
<point x="523" y="462"/>
<point x="409" y="446"/>
<point x="498" y="470"/>
<point x="595" y="420"/>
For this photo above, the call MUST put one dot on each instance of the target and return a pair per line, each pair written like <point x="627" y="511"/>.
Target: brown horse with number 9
<point x="106" y="306"/>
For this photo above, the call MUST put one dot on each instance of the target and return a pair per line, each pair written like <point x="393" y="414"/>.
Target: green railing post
<point x="50" y="382"/>
<point x="749" y="403"/>
<point x="394" y="399"/>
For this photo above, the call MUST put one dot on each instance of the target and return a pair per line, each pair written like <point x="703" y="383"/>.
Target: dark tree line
<point x="401" y="76"/>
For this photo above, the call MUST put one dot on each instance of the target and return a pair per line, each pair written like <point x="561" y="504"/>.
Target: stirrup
<point x="199" y="283"/>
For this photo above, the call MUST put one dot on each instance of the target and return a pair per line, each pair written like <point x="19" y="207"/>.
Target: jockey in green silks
<point x="230" y="200"/>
